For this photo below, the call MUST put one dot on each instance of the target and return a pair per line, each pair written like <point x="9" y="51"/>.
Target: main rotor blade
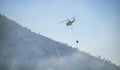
<point x="64" y="21"/>
<point x="68" y="19"/>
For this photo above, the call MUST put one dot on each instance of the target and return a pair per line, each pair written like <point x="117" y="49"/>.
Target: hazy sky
<point x="96" y="27"/>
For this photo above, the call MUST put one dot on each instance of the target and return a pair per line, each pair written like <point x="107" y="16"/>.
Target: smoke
<point x="69" y="62"/>
<point x="74" y="61"/>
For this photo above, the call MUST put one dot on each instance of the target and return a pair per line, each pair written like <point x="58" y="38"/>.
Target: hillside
<point x="22" y="49"/>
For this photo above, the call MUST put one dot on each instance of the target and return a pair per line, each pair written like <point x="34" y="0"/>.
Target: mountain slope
<point x="22" y="49"/>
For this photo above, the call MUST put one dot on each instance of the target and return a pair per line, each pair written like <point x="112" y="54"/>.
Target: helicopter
<point x="69" y="22"/>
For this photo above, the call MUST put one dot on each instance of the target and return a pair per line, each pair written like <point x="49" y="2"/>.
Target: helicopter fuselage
<point x="69" y="23"/>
